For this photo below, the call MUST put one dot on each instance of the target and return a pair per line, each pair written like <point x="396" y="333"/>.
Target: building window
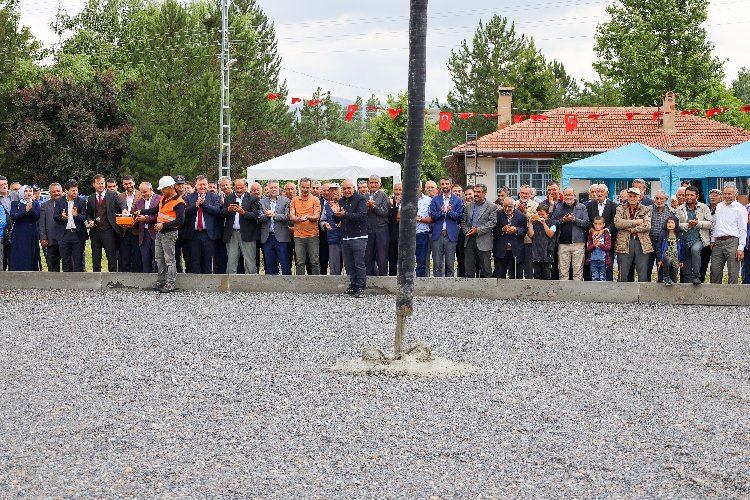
<point x="514" y="173"/>
<point x="740" y="182"/>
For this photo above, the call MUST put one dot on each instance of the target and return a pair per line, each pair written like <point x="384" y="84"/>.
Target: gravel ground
<point x="217" y="395"/>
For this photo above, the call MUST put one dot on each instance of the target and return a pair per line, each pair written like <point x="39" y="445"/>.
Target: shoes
<point x="697" y="281"/>
<point x="358" y="293"/>
<point x="167" y="288"/>
<point x="668" y="281"/>
<point x="350" y="290"/>
<point x="156" y="287"/>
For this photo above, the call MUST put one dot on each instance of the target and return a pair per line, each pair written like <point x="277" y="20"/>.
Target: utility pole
<point x="225" y="130"/>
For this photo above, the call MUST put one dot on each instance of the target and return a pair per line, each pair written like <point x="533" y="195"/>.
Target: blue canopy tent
<point x="633" y="161"/>
<point x="728" y="162"/>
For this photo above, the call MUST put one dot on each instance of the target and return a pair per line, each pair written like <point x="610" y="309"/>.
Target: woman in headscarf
<point x="24" y="237"/>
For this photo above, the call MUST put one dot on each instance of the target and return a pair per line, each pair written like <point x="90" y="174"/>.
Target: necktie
<point x="100" y="197"/>
<point x="200" y="218"/>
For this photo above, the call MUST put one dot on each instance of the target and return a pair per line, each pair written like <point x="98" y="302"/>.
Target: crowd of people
<point x="353" y="227"/>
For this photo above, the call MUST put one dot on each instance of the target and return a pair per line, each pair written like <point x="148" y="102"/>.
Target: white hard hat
<point x="166" y="181"/>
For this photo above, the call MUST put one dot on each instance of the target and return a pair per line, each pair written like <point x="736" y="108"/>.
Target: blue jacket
<point x="452" y="218"/>
<point x="3" y="221"/>
<point x="333" y="234"/>
<point x="501" y="240"/>
<point x="662" y="247"/>
<point x="354" y="222"/>
<point x="211" y="216"/>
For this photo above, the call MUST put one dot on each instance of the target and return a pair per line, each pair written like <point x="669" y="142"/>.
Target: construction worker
<point x="170" y="214"/>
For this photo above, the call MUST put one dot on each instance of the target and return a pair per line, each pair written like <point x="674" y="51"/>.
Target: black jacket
<point x="61" y="204"/>
<point x="249" y="227"/>
<point x="114" y="206"/>
<point x="354" y="222"/>
<point x="608" y="214"/>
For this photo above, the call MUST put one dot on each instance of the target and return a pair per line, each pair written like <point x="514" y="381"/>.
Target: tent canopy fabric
<point x="633" y="161"/>
<point x="729" y="162"/>
<point x="324" y="160"/>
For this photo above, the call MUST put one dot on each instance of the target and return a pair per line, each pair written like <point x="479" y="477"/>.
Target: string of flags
<point x="571" y="119"/>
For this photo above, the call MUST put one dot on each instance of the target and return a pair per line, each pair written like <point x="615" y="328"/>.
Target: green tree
<point x="18" y="53"/>
<point x="387" y="139"/>
<point x="649" y="47"/>
<point x="498" y="56"/>
<point x="741" y="85"/>
<point x="62" y="129"/>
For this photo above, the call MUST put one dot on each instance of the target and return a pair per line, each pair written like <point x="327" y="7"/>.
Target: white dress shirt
<point x="71" y="221"/>
<point x="730" y="220"/>
<point x="236" y="224"/>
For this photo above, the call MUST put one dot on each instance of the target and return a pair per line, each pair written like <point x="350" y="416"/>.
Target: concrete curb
<point x="554" y="291"/>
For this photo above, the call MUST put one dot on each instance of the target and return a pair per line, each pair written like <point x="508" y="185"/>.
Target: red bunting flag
<point x="657" y="115"/>
<point x="445" y="121"/>
<point x="538" y="118"/>
<point x="373" y="108"/>
<point x="271" y="97"/>
<point x="745" y="109"/>
<point x="690" y="112"/>
<point x="295" y="100"/>
<point x="571" y="122"/>
<point x="596" y="116"/>
<point x="313" y="102"/>
<point x="519" y="118"/>
<point x="350" y="110"/>
<point x="630" y="116"/>
<point x="715" y="111"/>
<point x="394" y="112"/>
<point x="467" y="115"/>
<point x="491" y="115"/>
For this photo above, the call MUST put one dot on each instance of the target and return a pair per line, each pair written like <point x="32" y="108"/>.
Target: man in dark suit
<point x="201" y="228"/>
<point x="69" y="214"/>
<point x="604" y="207"/>
<point x="102" y="209"/>
<point x="182" y="247"/>
<point x="130" y="252"/>
<point x="241" y="229"/>
<point x="145" y="227"/>
<point x="393" y="226"/>
<point x="46" y="229"/>
<point x="508" y="241"/>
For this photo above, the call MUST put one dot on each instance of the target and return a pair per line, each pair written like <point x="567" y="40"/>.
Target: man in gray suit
<point x="46" y="229"/>
<point x="275" y="236"/>
<point x="477" y="223"/>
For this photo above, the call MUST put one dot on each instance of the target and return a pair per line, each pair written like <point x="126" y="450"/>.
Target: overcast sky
<point x="360" y="47"/>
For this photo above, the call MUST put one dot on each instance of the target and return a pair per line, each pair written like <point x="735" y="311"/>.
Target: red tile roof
<point x="694" y="134"/>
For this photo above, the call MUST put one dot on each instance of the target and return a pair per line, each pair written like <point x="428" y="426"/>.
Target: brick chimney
<point x="670" y="111"/>
<point x="504" y="106"/>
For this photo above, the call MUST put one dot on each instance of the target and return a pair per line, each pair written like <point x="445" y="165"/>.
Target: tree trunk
<point x="412" y="167"/>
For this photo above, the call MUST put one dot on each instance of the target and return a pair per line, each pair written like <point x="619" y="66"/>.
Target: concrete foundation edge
<point x="556" y="291"/>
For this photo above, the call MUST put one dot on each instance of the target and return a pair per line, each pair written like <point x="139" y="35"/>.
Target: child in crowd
<point x="542" y="243"/>
<point x="598" y="246"/>
<point x="669" y="251"/>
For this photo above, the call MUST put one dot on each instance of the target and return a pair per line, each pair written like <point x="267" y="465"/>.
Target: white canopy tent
<point x="324" y="160"/>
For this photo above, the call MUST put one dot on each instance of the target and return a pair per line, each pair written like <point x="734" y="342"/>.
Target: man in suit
<point x="145" y="227"/>
<point x="257" y="190"/>
<point x="393" y="225"/>
<point x="446" y="210"/>
<point x="130" y="252"/>
<point x="275" y="236"/>
<point x="182" y="247"/>
<point x="102" y="209"/>
<point x="316" y="189"/>
<point x="46" y="229"/>
<point x="509" y="232"/>
<point x="602" y="206"/>
<point x="201" y="228"/>
<point x="220" y="252"/>
<point x="241" y="210"/>
<point x="69" y="215"/>
<point x="477" y="224"/>
<point x="7" y="196"/>
<point x="527" y="204"/>
<point x="376" y="254"/>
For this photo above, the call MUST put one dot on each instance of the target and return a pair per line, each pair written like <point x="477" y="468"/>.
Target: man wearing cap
<point x="633" y="243"/>
<point x="170" y="215"/>
<point x="101" y="211"/>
